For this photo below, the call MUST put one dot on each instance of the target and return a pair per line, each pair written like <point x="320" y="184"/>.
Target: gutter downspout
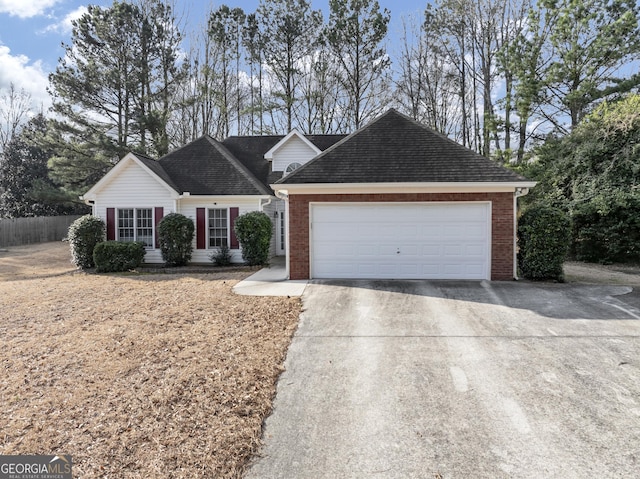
<point x="262" y="205"/>
<point x="285" y="196"/>
<point x="517" y="194"/>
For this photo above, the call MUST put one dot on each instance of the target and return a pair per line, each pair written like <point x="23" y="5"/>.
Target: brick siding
<point x="501" y="225"/>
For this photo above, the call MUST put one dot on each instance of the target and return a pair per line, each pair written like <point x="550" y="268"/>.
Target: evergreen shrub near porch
<point x="84" y="234"/>
<point x="114" y="256"/>
<point x="175" y="235"/>
<point x="544" y="236"/>
<point x="254" y="231"/>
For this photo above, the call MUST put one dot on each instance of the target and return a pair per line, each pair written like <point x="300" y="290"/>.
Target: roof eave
<point x="408" y="187"/>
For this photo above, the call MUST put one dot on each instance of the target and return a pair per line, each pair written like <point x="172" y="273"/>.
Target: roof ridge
<point x="203" y="137"/>
<point x="238" y="165"/>
<point x="335" y="145"/>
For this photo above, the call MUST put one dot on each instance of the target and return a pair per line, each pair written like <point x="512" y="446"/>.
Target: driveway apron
<point x="416" y="379"/>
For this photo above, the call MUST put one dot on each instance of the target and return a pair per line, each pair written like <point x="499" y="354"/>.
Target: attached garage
<point x="396" y="200"/>
<point x="400" y="240"/>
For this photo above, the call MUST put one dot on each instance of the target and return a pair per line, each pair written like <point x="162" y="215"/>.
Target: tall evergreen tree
<point x="24" y="176"/>
<point x="113" y="90"/>
<point x="290" y="32"/>
<point x="225" y="31"/>
<point x="591" y="41"/>
<point x="356" y="33"/>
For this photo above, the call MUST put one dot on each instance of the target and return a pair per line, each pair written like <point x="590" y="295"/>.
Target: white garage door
<point x="400" y="240"/>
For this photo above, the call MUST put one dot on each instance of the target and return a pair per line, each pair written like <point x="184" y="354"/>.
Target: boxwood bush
<point x="254" y="230"/>
<point x="114" y="256"/>
<point x="84" y="234"/>
<point x="544" y="235"/>
<point x="175" y="235"/>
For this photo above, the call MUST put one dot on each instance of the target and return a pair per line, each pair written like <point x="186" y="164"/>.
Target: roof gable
<point x="396" y="149"/>
<point x="293" y="134"/>
<point x="150" y="166"/>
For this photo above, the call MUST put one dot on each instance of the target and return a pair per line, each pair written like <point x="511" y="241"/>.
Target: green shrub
<point x="254" y="230"/>
<point x="543" y="240"/>
<point x="606" y="229"/>
<point x="175" y="235"/>
<point x="114" y="256"/>
<point x="221" y="257"/>
<point x="84" y="234"/>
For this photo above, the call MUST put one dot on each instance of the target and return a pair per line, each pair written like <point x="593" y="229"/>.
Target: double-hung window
<point x="218" y="227"/>
<point x="136" y="224"/>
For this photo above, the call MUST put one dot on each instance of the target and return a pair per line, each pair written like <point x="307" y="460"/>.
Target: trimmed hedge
<point x="254" y="231"/>
<point x="175" y="235"/>
<point x="544" y="236"/>
<point x="115" y="256"/>
<point x="84" y="234"/>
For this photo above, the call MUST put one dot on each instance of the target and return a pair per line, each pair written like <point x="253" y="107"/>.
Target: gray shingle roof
<point x="394" y="149"/>
<point x="155" y="166"/>
<point x="250" y="151"/>
<point x="206" y="167"/>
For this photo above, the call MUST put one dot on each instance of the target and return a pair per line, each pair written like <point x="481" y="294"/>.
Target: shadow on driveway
<point x="551" y="300"/>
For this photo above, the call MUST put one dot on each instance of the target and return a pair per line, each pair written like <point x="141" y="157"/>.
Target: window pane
<point x="125" y="225"/>
<point x="144" y="227"/>
<point x="217" y="227"/>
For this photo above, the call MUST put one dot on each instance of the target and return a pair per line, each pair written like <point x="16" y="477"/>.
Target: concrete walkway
<point x="271" y="281"/>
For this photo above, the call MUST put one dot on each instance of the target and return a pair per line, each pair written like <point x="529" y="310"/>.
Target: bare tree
<point x="15" y="106"/>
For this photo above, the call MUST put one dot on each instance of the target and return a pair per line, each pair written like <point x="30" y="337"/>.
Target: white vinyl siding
<point x="293" y="151"/>
<point x="135" y="188"/>
<point x="401" y="240"/>
<point x="188" y="206"/>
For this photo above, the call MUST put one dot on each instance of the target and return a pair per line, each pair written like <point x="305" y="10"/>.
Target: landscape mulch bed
<point x="135" y="375"/>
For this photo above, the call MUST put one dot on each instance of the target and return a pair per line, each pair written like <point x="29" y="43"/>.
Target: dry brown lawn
<point x="135" y="376"/>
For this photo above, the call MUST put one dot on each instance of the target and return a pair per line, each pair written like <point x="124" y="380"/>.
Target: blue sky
<point x="32" y="31"/>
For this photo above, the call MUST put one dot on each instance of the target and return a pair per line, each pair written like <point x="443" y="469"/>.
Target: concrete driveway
<point x="415" y="379"/>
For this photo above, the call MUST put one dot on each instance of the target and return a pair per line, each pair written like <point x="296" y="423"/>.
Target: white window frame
<point x="226" y="239"/>
<point x="135" y="226"/>
<point x="291" y="167"/>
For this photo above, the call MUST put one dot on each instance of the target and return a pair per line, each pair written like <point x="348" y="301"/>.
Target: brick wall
<point x="501" y="225"/>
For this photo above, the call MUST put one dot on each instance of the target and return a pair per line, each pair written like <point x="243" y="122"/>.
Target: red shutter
<point x="158" y="214"/>
<point x="201" y="228"/>
<point x="111" y="224"/>
<point x="233" y="214"/>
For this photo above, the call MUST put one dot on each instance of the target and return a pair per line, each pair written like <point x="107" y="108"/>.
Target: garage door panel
<point x="417" y="240"/>
<point x="431" y="250"/>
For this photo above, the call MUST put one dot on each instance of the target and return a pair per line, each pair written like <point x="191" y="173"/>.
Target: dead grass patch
<point x="577" y="272"/>
<point x="135" y="376"/>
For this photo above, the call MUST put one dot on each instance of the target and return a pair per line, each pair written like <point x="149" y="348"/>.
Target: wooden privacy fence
<point x="20" y="231"/>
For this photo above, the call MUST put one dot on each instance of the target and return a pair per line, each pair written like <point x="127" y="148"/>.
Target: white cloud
<point x="25" y="75"/>
<point x="25" y="8"/>
<point x="64" y="26"/>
